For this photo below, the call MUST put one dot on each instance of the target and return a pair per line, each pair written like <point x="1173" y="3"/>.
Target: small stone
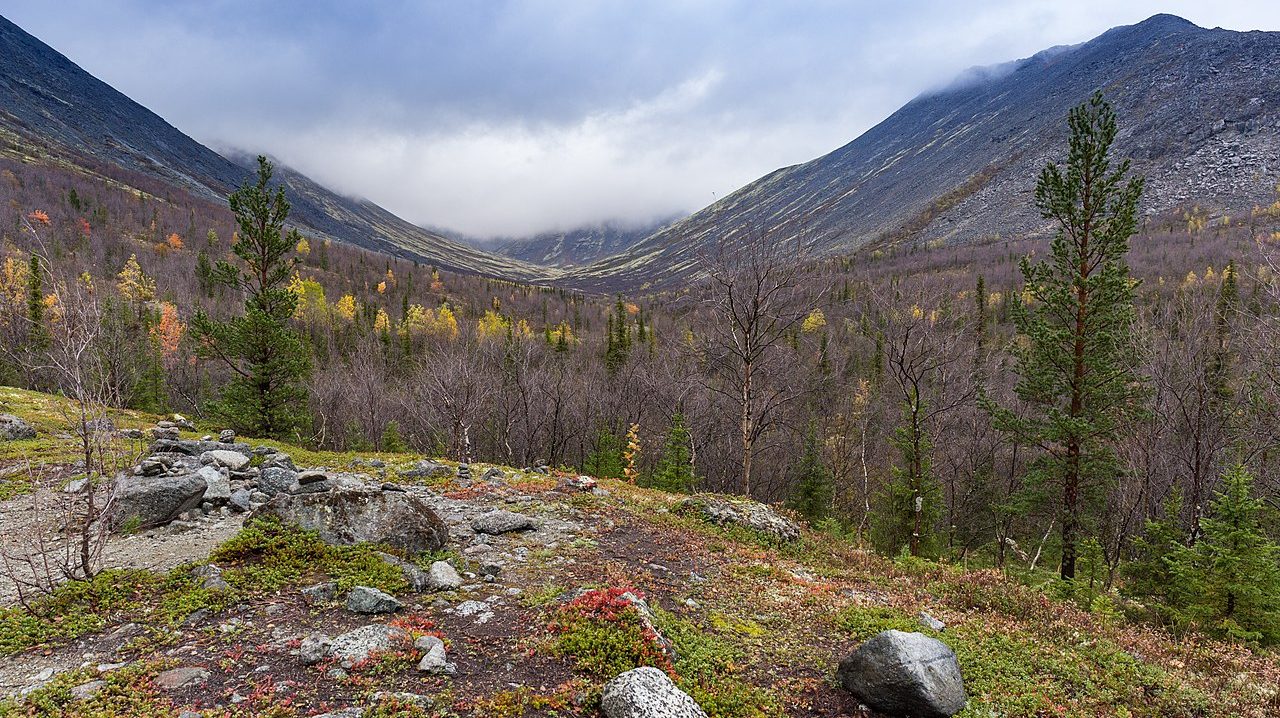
<point x="645" y="692"/>
<point x="435" y="661"/>
<point x="927" y="621"/>
<point x="233" y="460"/>
<point x="179" y="678"/>
<point x="196" y="618"/>
<point x="227" y="436"/>
<point x="76" y="487"/>
<point x="85" y="691"/>
<point x="240" y="501"/>
<point x="443" y="577"/>
<point x="320" y="592"/>
<point x="355" y="645"/>
<point x="314" y="648"/>
<point x="364" y="599"/>
<point x="501" y="522"/>
<point x="311" y="477"/>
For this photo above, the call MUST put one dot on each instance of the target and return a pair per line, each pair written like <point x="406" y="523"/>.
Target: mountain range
<point x="52" y="110"/>
<point x="1199" y="112"/>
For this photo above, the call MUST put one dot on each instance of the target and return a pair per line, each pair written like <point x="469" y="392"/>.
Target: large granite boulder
<point x="647" y="692"/>
<point x="905" y="674"/>
<point x="349" y="515"/>
<point x="12" y="428"/>
<point x="723" y="510"/>
<point x="144" y="501"/>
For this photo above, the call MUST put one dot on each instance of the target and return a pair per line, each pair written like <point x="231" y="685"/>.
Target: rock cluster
<point x="742" y="512"/>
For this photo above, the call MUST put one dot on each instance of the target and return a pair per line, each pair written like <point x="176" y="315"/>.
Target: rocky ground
<point x="525" y="593"/>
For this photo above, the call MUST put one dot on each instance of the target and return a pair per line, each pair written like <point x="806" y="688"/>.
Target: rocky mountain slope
<point x="53" y="111"/>
<point x="500" y="591"/>
<point x="577" y="247"/>
<point x="1199" y="112"/>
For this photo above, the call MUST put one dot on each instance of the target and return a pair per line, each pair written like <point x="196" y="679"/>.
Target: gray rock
<point x="443" y="577"/>
<point x="434" y="660"/>
<point x="905" y="674"/>
<point x="927" y="621"/>
<point x="85" y="691"/>
<point x="493" y="472"/>
<point x="12" y="428"/>
<point x="314" y="648"/>
<point x="352" y="712"/>
<point x="281" y="460"/>
<point x="131" y="434"/>
<point x="78" y="486"/>
<point x="226" y="436"/>
<point x="233" y="460"/>
<point x="355" y="646"/>
<point x="647" y="692"/>
<point x="416" y="699"/>
<point x="723" y="510"/>
<point x="315" y="487"/>
<point x="501" y="522"/>
<point x="178" y="678"/>
<point x="154" y="501"/>
<point x="415" y="576"/>
<point x="312" y="477"/>
<point x="240" y="500"/>
<point x="171" y="433"/>
<point x="275" y="480"/>
<point x="219" y="485"/>
<point x="320" y="592"/>
<point x="349" y="516"/>
<point x="425" y="469"/>
<point x="364" y="599"/>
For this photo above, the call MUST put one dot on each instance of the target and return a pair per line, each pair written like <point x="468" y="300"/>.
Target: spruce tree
<point x="264" y="396"/>
<point x="813" y="488"/>
<point x="1229" y="581"/>
<point x="674" y="471"/>
<point x="1077" y="343"/>
<point x="38" y="333"/>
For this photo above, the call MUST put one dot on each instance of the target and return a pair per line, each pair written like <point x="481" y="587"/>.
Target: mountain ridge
<point x="49" y="102"/>
<point x="1199" y="113"/>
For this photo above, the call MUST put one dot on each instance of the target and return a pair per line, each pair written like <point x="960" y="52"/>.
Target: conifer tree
<point x="1077" y="339"/>
<point x="814" y="489"/>
<point x="674" y="471"/>
<point x="1229" y="581"/>
<point x="268" y="360"/>
<point x="38" y="334"/>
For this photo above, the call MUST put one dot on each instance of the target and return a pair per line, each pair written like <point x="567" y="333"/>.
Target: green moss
<point x="710" y="670"/>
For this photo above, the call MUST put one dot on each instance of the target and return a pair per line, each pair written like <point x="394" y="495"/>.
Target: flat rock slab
<point x="501" y="522"/>
<point x="233" y="460"/>
<point x="178" y="678"/>
<point x="647" y="692"/>
<point x="355" y="646"/>
<point x="905" y="674"/>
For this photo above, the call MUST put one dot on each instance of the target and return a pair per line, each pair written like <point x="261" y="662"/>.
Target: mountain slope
<point x="1199" y="113"/>
<point x="578" y="246"/>
<point x="52" y="110"/>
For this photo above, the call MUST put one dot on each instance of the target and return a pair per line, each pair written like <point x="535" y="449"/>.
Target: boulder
<point x="12" y="428"/>
<point x="232" y="460"/>
<point x="240" y="500"/>
<point x="149" y="501"/>
<point x="219" y="491"/>
<point x="501" y="522"/>
<point x="647" y="692"/>
<point x="722" y="510"/>
<point x="276" y="479"/>
<point x="347" y="516"/>
<point x="355" y="646"/>
<point x="905" y="674"/>
<point x="364" y="599"/>
<point x="226" y="436"/>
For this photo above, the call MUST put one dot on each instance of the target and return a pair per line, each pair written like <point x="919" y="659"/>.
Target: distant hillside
<point x="51" y="110"/>
<point x="578" y="246"/>
<point x="1199" y="112"/>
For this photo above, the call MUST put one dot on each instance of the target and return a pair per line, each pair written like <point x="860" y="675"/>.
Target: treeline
<point x="852" y="389"/>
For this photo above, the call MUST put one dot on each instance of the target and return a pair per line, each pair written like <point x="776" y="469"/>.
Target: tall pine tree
<point x="1077" y="348"/>
<point x="265" y="396"/>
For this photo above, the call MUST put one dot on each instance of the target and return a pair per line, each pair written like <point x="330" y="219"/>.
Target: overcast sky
<point x="511" y="117"/>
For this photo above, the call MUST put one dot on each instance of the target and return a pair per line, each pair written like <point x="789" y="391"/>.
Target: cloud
<point x="510" y="117"/>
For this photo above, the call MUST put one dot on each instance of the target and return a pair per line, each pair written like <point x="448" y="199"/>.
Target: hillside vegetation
<point x="757" y="623"/>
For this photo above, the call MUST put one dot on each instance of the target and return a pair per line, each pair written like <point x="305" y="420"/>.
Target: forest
<point x="881" y="396"/>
